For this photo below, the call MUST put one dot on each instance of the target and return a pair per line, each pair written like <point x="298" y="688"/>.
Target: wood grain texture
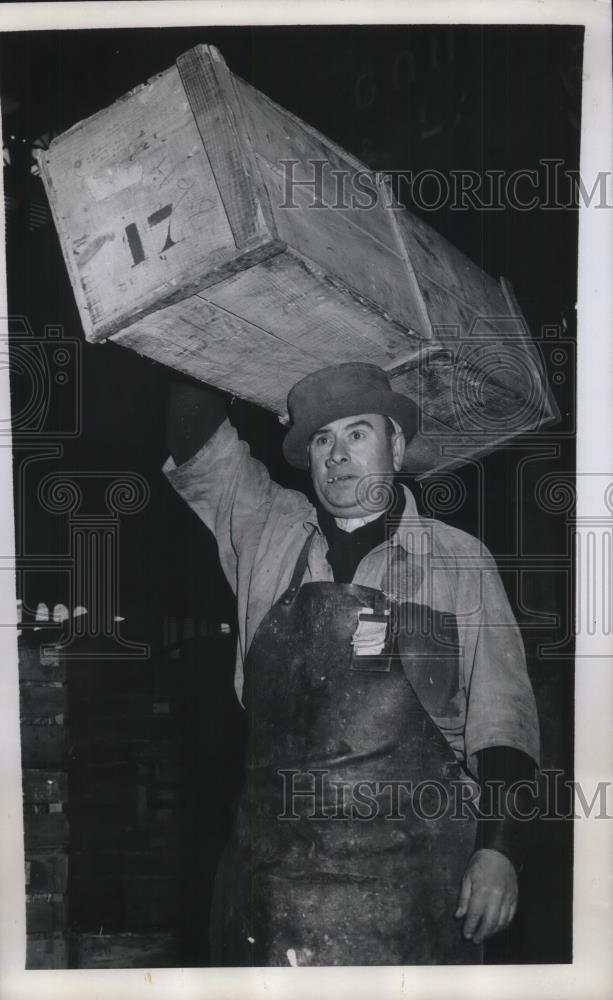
<point x="140" y="163"/>
<point x="276" y="135"/>
<point x="550" y="405"/>
<point x="202" y="340"/>
<point x="302" y="305"/>
<point x="185" y="243"/>
<point x="208" y="85"/>
<point x="470" y="313"/>
<point x="340" y="242"/>
<point x="351" y="234"/>
<point x="257" y="335"/>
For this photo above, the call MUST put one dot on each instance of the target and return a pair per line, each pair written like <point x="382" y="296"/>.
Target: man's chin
<point x="350" y="509"/>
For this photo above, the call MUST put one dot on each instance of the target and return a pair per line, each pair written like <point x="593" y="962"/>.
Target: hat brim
<point x="387" y="403"/>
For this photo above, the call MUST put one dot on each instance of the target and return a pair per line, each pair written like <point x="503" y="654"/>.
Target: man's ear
<point x="398" y="449"/>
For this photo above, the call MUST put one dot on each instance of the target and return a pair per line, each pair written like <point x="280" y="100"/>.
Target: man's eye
<point x="321" y="440"/>
<point x="356" y="435"/>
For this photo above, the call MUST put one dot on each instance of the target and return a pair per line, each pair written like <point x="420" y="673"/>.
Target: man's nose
<point x="338" y="453"/>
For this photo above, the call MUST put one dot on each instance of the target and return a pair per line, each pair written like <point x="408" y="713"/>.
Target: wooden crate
<point x="46" y="913"/>
<point x="181" y="242"/>
<point x="45" y="830"/>
<point x="46" y="872"/>
<point x="44" y="745"/>
<point x="44" y="786"/>
<point x="38" y="662"/>
<point x="44" y="951"/>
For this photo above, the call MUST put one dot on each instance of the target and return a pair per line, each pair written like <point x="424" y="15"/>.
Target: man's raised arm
<point x="216" y="475"/>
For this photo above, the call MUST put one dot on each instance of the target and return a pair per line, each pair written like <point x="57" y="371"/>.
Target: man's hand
<point x="195" y="411"/>
<point x="488" y="895"/>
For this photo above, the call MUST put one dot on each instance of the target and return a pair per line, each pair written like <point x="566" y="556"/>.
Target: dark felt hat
<point x="341" y="391"/>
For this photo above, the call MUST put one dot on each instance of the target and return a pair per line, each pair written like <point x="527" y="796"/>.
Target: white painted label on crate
<point x="114" y="179"/>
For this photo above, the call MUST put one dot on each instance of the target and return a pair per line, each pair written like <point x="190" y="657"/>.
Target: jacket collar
<point x="412" y="532"/>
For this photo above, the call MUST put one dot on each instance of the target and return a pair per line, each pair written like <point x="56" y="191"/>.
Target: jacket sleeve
<point x="232" y="493"/>
<point x="501" y="708"/>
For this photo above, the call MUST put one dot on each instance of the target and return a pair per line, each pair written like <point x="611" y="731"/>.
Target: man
<point x="383" y="673"/>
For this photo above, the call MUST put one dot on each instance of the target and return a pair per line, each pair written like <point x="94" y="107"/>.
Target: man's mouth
<point x="339" y="479"/>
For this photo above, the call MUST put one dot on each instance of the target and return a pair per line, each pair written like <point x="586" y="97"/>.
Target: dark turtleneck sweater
<point x="346" y="549"/>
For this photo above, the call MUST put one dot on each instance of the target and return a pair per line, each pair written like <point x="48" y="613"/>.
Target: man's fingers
<point x="489" y="921"/>
<point x="476" y="910"/>
<point x="504" y="917"/>
<point x="509" y="914"/>
<point x="507" y="911"/>
<point x="464" y="897"/>
<point x="488" y="895"/>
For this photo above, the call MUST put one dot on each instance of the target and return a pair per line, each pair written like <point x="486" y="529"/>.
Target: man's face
<point x="347" y="457"/>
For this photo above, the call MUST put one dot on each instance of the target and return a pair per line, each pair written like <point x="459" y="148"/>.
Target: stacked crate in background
<point x="124" y="813"/>
<point x="128" y="812"/>
<point x="44" y="750"/>
<point x="144" y="836"/>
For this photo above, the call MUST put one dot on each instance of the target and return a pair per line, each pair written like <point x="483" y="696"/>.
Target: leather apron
<point x="345" y="849"/>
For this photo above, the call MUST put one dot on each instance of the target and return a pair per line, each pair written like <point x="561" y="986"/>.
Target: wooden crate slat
<point x="202" y="339"/>
<point x="529" y="351"/>
<point x="300" y="306"/>
<point x="490" y="322"/>
<point x="211" y="341"/>
<point x="276" y="135"/>
<point x="434" y="257"/>
<point x="340" y="243"/>
<point x="208" y="86"/>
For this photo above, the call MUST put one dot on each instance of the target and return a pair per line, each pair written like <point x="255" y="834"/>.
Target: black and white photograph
<point x="309" y="603"/>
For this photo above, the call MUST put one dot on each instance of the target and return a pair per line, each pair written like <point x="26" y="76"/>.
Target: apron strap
<point x="299" y="570"/>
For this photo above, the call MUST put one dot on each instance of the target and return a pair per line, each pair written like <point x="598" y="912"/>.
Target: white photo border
<point x="591" y="972"/>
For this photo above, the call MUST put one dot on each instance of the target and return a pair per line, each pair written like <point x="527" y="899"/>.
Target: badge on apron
<point x="369" y="642"/>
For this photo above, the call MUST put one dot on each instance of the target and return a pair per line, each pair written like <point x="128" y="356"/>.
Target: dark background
<point x="399" y="97"/>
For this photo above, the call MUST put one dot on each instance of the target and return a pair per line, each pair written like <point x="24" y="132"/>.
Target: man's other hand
<point x="488" y="895"/>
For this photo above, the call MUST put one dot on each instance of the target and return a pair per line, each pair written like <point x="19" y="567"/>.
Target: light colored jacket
<point x="260" y="529"/>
